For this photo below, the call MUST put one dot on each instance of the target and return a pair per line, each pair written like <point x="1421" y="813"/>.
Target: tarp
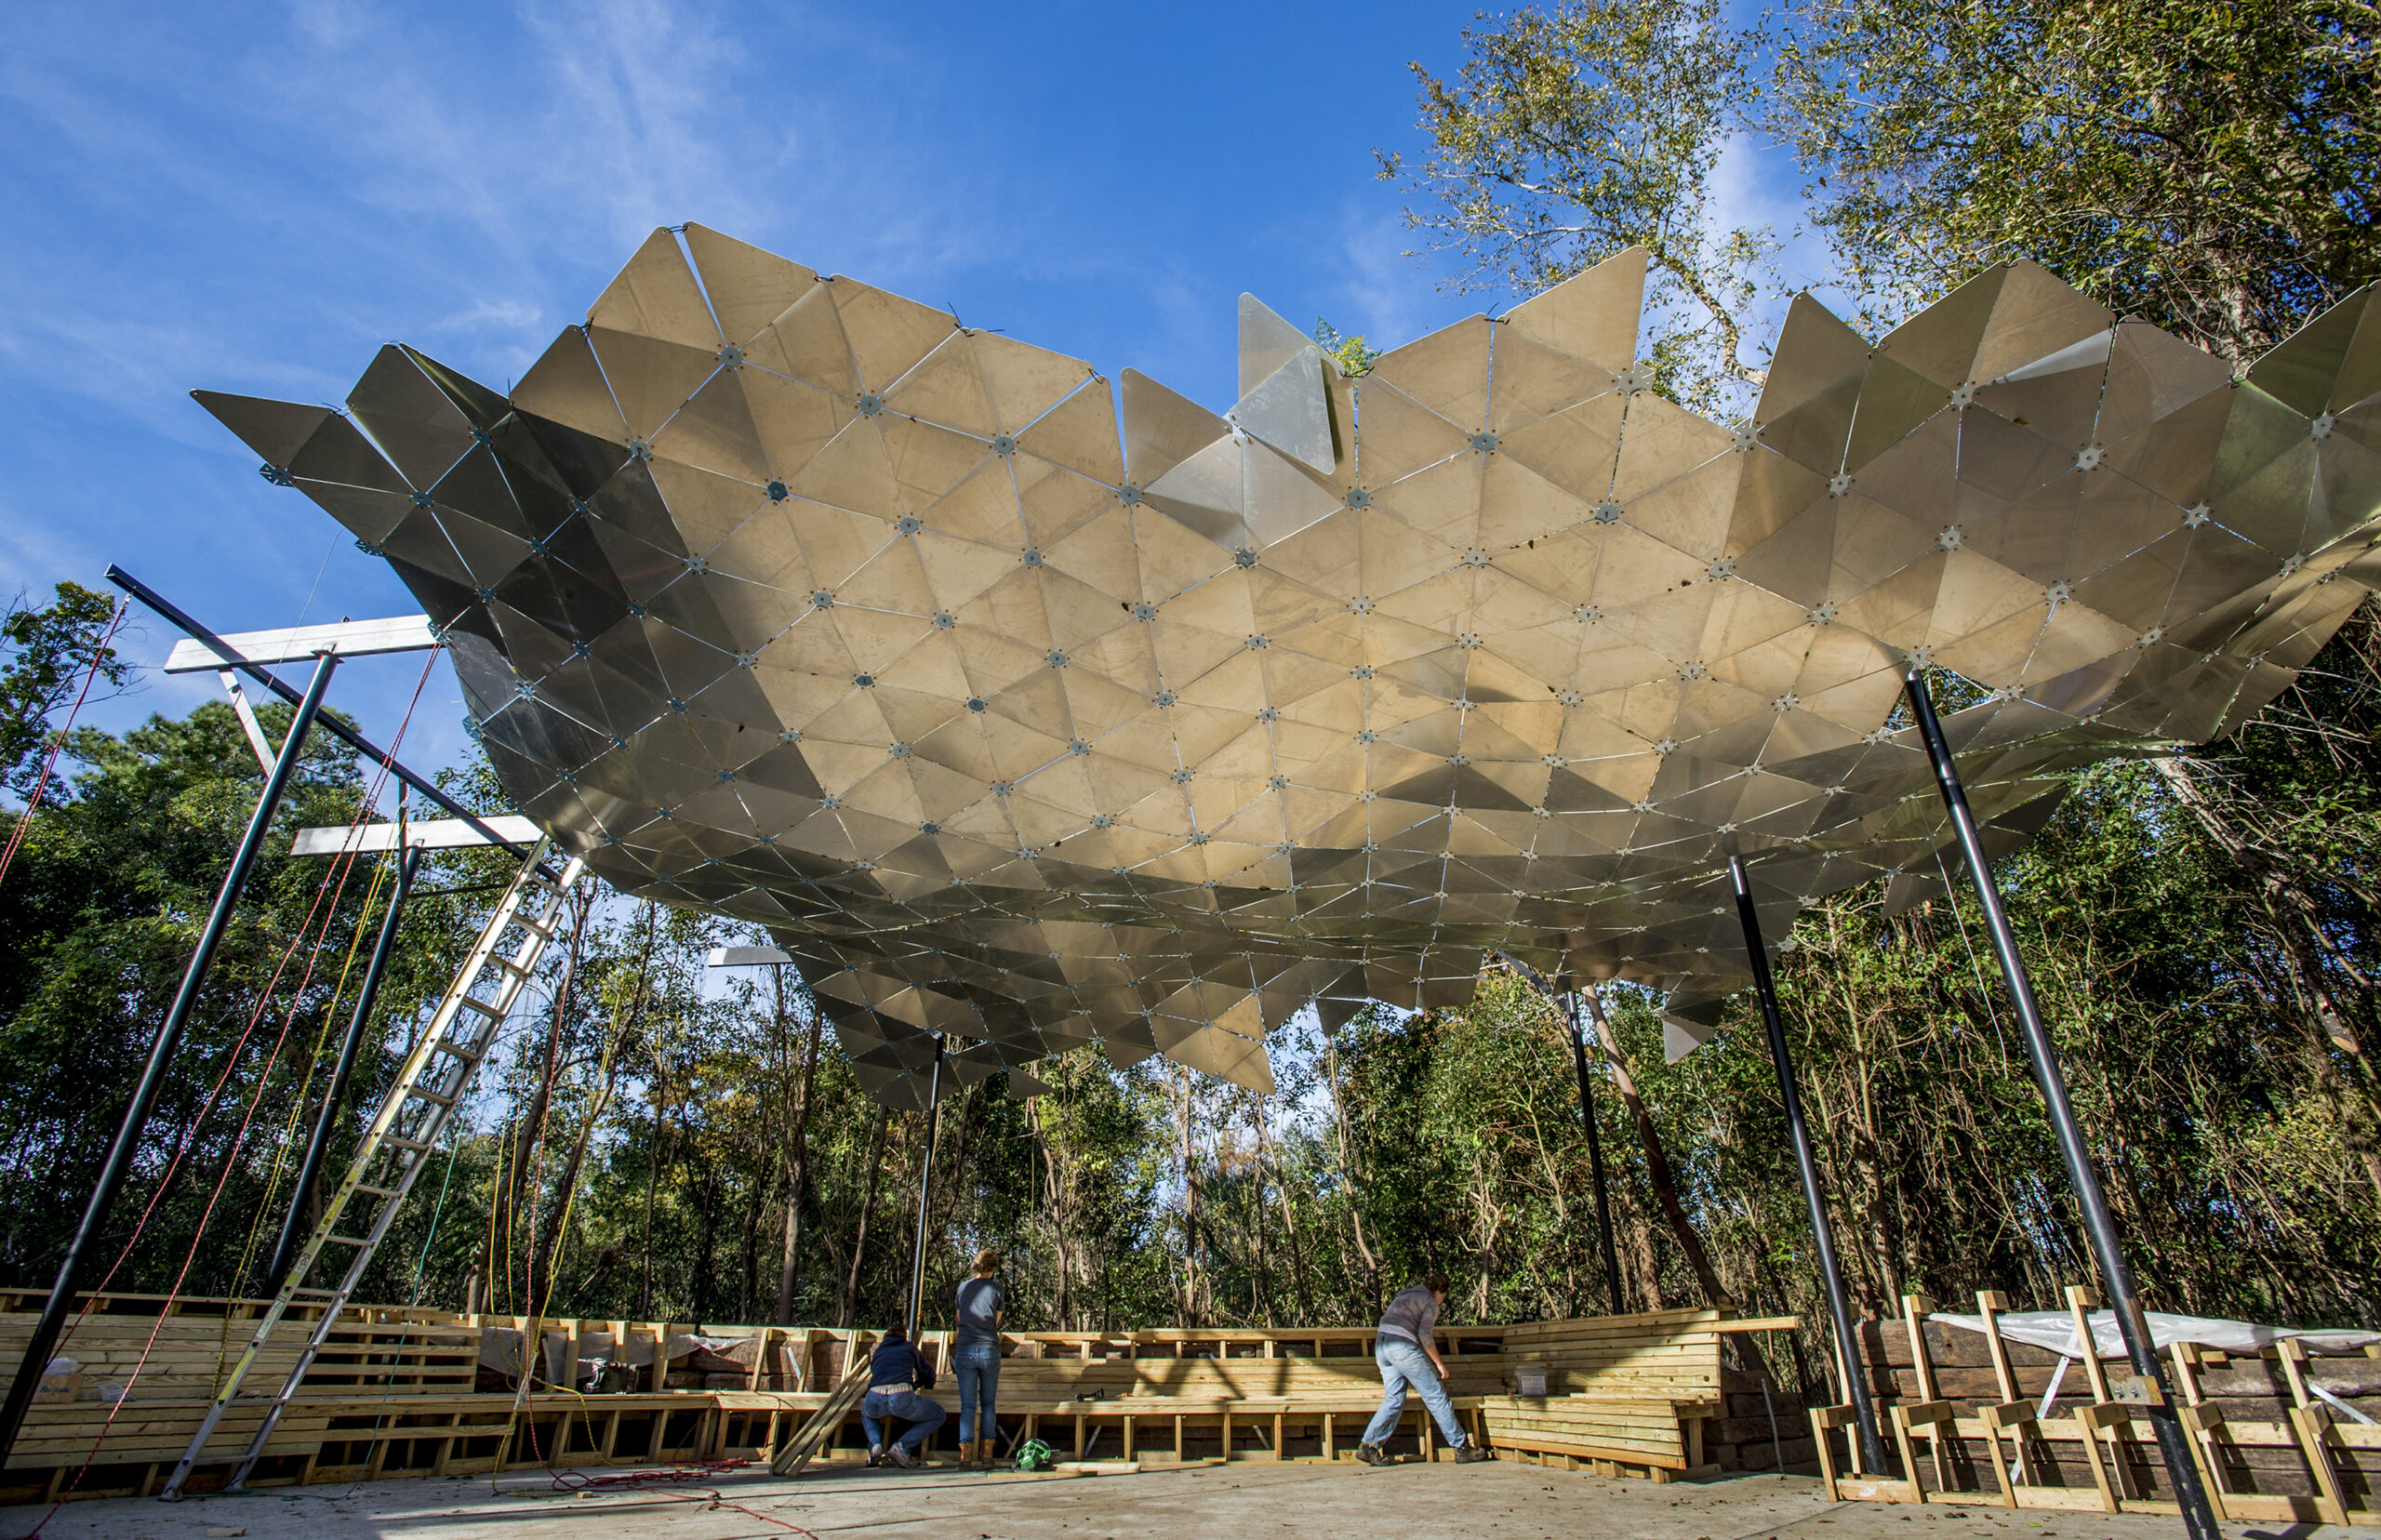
<point x="500" y="1349"/>
<point x="2055" y="1330"/>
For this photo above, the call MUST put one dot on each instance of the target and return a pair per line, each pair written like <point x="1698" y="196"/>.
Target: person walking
<point x="897" y="1374"/>
<point x="975" y="1357"/>
<point x="1405" y="1346"/>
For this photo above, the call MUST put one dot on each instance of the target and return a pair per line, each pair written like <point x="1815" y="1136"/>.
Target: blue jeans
<point x="1403" y="1364"/>
<point x="922" y="1416"/>
<point x="978" y="1368"/>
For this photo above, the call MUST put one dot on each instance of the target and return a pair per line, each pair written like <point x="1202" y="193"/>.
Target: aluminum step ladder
<point x="397" y="1146"/>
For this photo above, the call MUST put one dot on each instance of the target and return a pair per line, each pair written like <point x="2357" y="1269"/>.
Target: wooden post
<point x="1989" y="1304"/>
<point x="2012" y="1418"/>
<point x="2078" y="1300"/>
<point x="2312" y="1426"/>
<point x="2095" y="1420"/>
<point x="1822" y="1418"/>
<point x="2202" y="1422"/>
<point x="761" y="1358"/>
<point x="1915" y="1309"/>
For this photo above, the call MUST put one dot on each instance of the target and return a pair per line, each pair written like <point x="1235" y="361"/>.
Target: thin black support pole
<point x="925" y="1186"/>
<point x="126" y="1144"/>
<point x="1595" y="1158"/>
<point x="2182" y="1470"/>
<point x="310" y="1171"/>
<point x="1839" y="1307"/>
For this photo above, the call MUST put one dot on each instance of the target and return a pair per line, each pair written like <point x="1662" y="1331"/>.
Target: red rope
<point x="340" y="870"/>
<point x="642" y="1481"/>
<point x="99" y="655"/>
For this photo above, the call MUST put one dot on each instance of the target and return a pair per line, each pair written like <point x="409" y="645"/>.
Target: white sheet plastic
<point x="500" y="1349"/>
<point x="2055" y="1330"/>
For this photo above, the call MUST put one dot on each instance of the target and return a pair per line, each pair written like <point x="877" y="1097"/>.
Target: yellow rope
<point x="297" y="1111"/>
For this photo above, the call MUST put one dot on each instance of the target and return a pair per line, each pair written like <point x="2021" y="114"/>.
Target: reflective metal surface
<point x="1031" y="724"/>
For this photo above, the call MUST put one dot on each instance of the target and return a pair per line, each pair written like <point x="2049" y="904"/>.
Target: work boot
<point x="1373" y="1454"/>
<point x="1471" y="1454"/>
<point x="875" y="1455"/>
<point x="901" y="1455"/>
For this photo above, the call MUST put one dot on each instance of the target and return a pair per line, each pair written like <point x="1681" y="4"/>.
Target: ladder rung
<point x="377" y="1192"/>
<point x="431" y="1096"/>
<point x="404" y="1143"/>
<point x="513" y="968"/>
<point x="448" y="1045"/>
<point x="347" y="1241"/>
<point x="481" y="1006"/>
<point x="317" y="1293"/>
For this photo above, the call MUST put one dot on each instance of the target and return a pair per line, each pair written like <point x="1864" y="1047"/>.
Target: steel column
<point x="117" y="1166"/>
<point x="1839" y="1309"/>
<point x="2173" y="1444"/>
<point x="293" y="1227"/>
<point x="925" y="1186"/>
<point x="1595" y="1158"/>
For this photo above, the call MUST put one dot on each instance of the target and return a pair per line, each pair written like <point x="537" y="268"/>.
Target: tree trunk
<point x="624" y="1023"/>
<point x="860" y="1237"/>
<point x="1055" y="1197"/>
<point x="2296" y="921"/>
<point x="789" y="1271"/>
<point x="1347" y="1169"/>
<point x="652" y="1179"/>
<point x="1190" y="1313"/>
<point x="1289" y="1224"/>
<point x="1657" y="1165"/>
<point x="531" y="1138"/>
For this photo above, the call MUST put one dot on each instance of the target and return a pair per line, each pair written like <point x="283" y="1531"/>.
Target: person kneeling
<point x="897" y="1373"/>
<point x="1406" y="1348"/>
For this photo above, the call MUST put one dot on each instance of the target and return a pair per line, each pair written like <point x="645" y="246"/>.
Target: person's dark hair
<point x="1436" y="1282"/>
<point x="895" y="1333"/>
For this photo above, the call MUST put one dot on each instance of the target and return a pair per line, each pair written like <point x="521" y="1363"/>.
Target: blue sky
<point x="255" y="197"/>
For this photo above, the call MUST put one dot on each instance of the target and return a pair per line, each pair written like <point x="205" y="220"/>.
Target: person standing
<point x="1405" y="1346"/>
<point x="897" y="1374"/>
<point x="975" y="1357"/>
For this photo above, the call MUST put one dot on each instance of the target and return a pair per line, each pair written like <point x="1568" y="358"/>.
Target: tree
<point x="2210" y="167"/>
<point x="1575" y="132"/>
<point x="44" y="653"/>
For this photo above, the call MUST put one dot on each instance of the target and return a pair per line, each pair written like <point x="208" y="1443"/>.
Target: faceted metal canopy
<point x="1021" y="718"/>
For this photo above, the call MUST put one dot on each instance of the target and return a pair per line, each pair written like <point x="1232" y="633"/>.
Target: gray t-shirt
<point x="980" y="1300"/>
<point x="1411" y="1315"/>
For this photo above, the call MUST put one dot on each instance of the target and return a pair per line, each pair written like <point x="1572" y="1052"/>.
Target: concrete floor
<point x="1499" y="1501"/>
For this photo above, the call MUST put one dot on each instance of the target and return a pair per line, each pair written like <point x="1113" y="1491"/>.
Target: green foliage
<point x="1575" y="131"/>
<point x="2209" y="167"/>
<point x="44" y="655"/>
<point x="1354" y="359"/>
